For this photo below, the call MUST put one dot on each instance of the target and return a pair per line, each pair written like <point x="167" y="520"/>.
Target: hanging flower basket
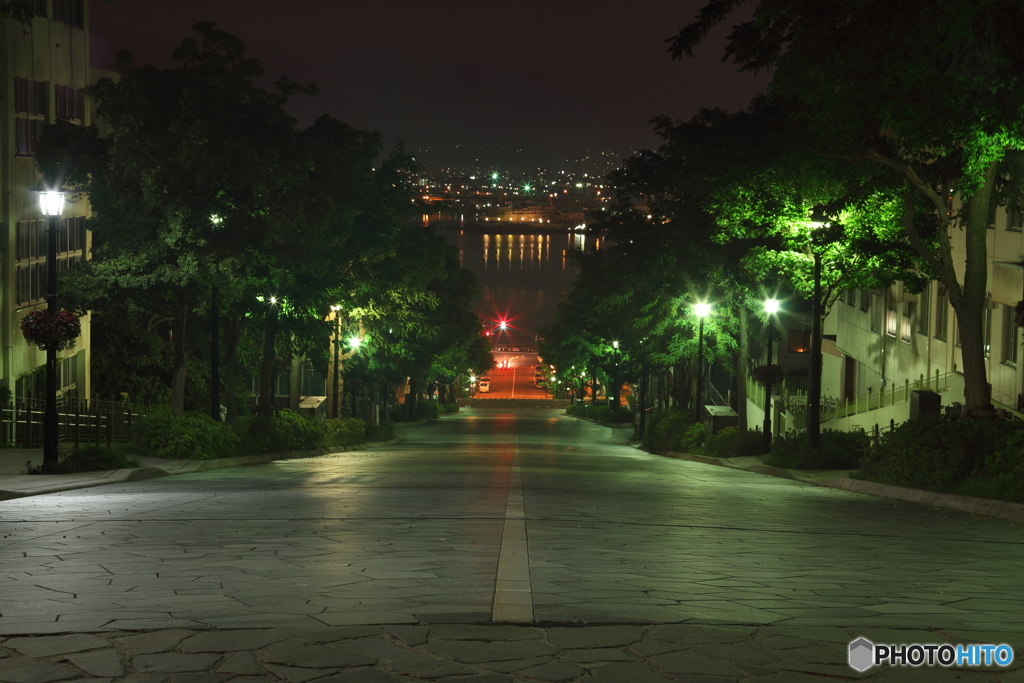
<point x="768" y="374"/>
<point x="58" y="331"/>
<point x="1019" y="314"/>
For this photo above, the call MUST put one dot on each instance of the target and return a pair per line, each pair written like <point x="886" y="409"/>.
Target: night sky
<point x="525" y="83"/>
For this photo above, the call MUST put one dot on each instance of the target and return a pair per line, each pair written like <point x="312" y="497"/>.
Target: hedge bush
<point x="87" y="459"/>
<point x="344" y="431"/>
<point x="733" y="443"/>
<point x="285" y="431"/>
<point x="984" y="458"/>
<point x="192" y="436"/>
<point x="427" y="410"/>
<point x="839" y="450"/>
<point x="382" y="432"/>
<point x="673" y="430"/>
<point x="576" y="410"/>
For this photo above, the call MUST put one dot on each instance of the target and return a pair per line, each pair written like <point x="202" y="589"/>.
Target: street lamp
<point x="616" y="384"/>
<point x="335" y="408"/>
<point x="771" y="307"/>
<point x="814" y="386"/>
<point x="51" y="202"/>
<point x="701" y="311"/>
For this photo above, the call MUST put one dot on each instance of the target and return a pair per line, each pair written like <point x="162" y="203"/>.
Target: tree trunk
<point x="970" y="313"/>
<point x="742" y="362"/>
<point x="814" y="383"/>
<point x="967" y="301"/>
<point x="215" y="394"/>
<point x="180" y="370"/>
<point x="295" y="382"/>
<point x="267" y="370"/>
<point x="232" y="342"/>
<point x="411" y="407"/>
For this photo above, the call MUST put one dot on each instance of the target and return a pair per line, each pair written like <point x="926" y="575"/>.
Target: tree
<point x="926" y="94"/>
<point x="192" y="177"/>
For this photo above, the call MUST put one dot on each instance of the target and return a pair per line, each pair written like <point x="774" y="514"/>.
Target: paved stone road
<point x="493" y="546"/>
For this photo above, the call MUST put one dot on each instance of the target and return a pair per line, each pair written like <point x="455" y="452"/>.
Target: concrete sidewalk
<point x="473" y="653"/>
<point x="841" y="479"/>
<point x="14" y="483"/>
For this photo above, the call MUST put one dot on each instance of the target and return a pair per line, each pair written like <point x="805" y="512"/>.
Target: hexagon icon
<point x="862" y="654"/>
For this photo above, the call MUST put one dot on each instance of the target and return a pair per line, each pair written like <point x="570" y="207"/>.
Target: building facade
<point x="883" y="344"/>
<point x="45" y="67"/>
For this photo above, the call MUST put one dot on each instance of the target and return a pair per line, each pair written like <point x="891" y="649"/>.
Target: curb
<point x="90" y="479"/>
<point x="978" y="506"/>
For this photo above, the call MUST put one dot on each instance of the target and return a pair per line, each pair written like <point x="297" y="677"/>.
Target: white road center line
<point x="513" y="593"/>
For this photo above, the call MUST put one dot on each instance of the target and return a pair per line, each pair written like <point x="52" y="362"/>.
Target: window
<point x="1011" y="335"/>
<point x="865" y="300"/>
<point x="30" y="96"/>
<point x="986" y="326"/>
<point x="923" y="310"/>
<point x="799" y="341"/>
<point x="39" y="8"/>
<point x="29" y="114"/>
<point x="941" y="313"/>
<point x="69" y="102"/>
<point x="876" y="311"/>
<point x="30" y="253"/>
<point x="906" y="325"/>
<point x="1015" y="215"/>
<point x="891" y="313"/>
<point x="68" y="12"/>
<point x="851" y="297"/>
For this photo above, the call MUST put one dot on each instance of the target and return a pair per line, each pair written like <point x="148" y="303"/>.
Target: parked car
<point x="483" y="385"/>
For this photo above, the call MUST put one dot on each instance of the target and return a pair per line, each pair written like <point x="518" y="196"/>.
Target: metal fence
<point x="794" y="397"/>
<point x="80" y="422"/>
<point x="833" y="409"/>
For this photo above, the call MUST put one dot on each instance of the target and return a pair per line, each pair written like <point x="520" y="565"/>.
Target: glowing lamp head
<point x="51" y="203"/>
<point x="615" y="344"/>
<point x="354" y="342"/>
<point x="702" y="310"/>
<point x="771" y="306"/>
<point x="503" y="325"/>
<point x="336" y="307"/>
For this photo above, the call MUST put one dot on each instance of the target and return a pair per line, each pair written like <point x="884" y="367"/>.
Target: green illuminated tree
<point x="924" y="93"/>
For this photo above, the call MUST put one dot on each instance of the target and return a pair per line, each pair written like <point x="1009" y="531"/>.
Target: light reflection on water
<point x="521" y="276"/>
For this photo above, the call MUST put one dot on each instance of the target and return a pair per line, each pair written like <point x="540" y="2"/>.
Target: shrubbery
<point x="381" y="432"/>
<point x="427" y="410"/>
<point x="577" y="409"/>
<point x="732" y="443"/>
<point x="839" y="450"/>
<point x="982" y="458"/>
<point x="285" y="431"/>
<point x="88" y="459"/>
<point x="344" y="431"/>
<point x="673" y="430"/>
<point x="192" y="436"/>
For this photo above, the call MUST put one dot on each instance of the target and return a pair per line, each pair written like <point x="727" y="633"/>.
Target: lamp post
<point x="701" y="311"/>
<point x="335" y="409"/>
<point x="615" y="383"/>
<point x="51" y="202"/>
<point x="771" y="307"/>
<point x="814" y="385"/>
<point x="353" y="343"/>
